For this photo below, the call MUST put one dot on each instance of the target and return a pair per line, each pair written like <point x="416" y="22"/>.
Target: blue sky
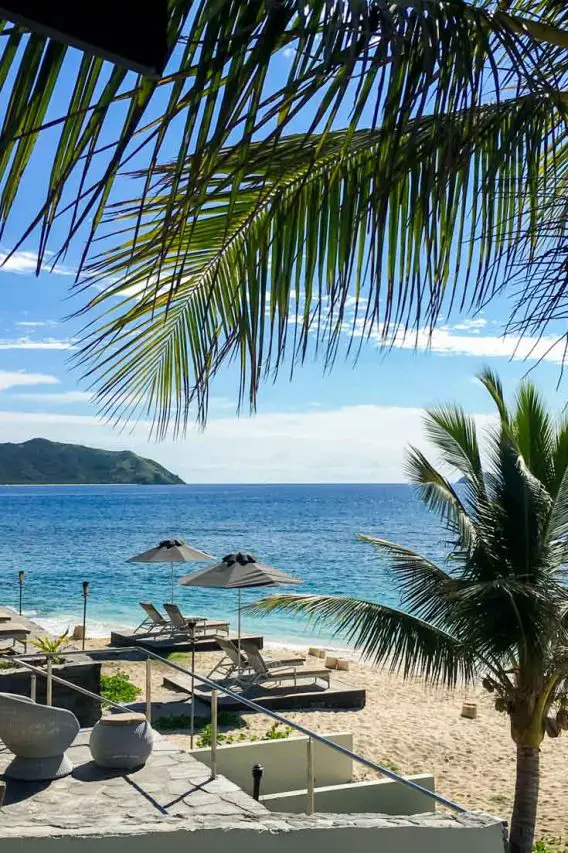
<point x="348" y="425"/>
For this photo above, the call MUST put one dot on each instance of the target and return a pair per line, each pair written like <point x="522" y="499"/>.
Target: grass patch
<point x="178" y="657"/>
<point x="119" y="688"/>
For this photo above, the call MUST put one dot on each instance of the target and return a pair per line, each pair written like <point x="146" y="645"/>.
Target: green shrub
<point x="549" y="845"/>
<point x="119" y="688"/>
<point x="50" y="646"/>
<point x="276" y="733"/>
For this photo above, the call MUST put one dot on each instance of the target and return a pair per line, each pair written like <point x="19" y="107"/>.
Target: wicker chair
<point x="38" y="735"/>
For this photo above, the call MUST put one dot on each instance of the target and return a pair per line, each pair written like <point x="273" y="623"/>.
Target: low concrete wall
<point x="363" y="834"/>
<point x="377" y="796"/>
<point x="85" y="673"/>
<point x="284" y="762"/>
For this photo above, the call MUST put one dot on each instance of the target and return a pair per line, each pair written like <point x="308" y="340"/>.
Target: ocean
<point x="63" y="535"/>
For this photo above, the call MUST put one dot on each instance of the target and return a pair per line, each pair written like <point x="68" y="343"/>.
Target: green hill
<point x="43" y="462"/>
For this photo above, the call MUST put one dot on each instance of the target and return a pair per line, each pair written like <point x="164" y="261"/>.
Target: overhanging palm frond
<point x="385" y="59"/>
<point x="382" y="634"/>
<point x="317" y="225"/>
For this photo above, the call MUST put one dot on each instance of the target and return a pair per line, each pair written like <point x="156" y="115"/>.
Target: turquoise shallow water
<point x="62" y="535"/>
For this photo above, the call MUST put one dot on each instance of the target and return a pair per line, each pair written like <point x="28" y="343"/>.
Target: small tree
<point x="499" y="609"/>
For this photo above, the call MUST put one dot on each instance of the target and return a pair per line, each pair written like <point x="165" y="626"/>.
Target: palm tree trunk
<point x="523" y="819"/>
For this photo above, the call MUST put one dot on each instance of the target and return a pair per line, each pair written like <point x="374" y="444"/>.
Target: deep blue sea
<point x="63" y="535"/>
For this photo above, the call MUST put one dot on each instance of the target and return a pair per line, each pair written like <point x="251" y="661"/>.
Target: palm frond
<point x="453" y="433"/>
<point x="560" y="453"/>
<point x="383" y="635"/>
<point x="491" y="382"/>
<point x="317" y="224"/>
<point x="440" y="496"/>
<point x="425" y="589"/>
<point x="534" y="434"/>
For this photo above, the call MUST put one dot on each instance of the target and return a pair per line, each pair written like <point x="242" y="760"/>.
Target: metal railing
<point x="217" y="688"/>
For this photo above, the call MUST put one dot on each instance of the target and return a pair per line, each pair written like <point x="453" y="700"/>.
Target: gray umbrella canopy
<point x="238" y="571"/>
<point x="171" y="551"/>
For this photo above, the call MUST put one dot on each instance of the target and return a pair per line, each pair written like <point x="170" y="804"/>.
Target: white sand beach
<point x="411" y="728"/>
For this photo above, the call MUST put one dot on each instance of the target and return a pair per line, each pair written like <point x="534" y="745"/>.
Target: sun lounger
<point x="196" y="626"/>
<point x="263" y="673"/>
<point x="14" y="631"/>
<point x="5" y="615"/>
<point x="154" y="621"/>
<point x="232" y="661"/>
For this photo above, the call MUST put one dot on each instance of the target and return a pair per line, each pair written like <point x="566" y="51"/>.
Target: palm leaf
<point x="384" y="60"/>
<point x="382" y="634"/>
<point x="454" y="434"/>
<point x="315" y="226"/>
<point x="534" y="434"/>
<point x="425" y="589"/>
<point x="490" y="380"/>
<point x="440" y="496"/>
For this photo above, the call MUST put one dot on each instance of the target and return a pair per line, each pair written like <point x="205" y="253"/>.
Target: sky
<point x="350" y="424"/>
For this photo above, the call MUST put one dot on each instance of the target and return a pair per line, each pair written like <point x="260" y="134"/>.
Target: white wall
<point x="382" y="796"/>
<point x="487" y="837"/>
<point x="284" y="762"/>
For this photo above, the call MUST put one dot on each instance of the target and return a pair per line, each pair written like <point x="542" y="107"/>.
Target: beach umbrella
<point x="238" y="571"/>
<point x="171" y="551"/>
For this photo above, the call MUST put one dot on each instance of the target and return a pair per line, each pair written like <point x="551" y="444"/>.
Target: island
<point x="40" y="462"/>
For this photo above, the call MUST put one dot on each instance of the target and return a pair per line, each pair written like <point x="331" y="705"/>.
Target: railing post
<point x="49" y="685"/>
<point x="310" y="787"/>
<point x="149" y="690"/>
<point x="214" y="734"/>
<point x="33" y="687"/>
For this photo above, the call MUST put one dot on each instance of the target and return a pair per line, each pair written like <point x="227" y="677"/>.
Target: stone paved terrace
<point x="173" y="798"/>
<point x="172" y="788"/>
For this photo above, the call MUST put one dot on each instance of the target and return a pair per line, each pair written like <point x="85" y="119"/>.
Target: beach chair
<point x="15" y="632"/>
<point x="230" y="663"/>
<point x="196" y="626"/>
<point x="154" y="621"/>
<point x="262" y="672"/>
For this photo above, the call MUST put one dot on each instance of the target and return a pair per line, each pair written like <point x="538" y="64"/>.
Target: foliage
<point x="277" y="732"/>
<point x="229" y="719"/>
<point x="431" y="162"/>
<point x="549" y="845"/>
<point x="50" y="646"/>
<point x="118" y="687"/>
<point x="498" y="608"/>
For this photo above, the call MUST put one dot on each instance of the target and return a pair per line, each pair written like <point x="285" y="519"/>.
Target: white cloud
<point x="25" y="263"/>
<point x="36" y="324"/>
<point x="446" y="342"/>
<point x="14" y="378"/>
<point x="44" y="344"/>
<point x="57" y="399"/>
<point x="352" y="444"/>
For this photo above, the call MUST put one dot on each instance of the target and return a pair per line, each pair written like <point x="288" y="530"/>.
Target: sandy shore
<point x="413" y="728"/>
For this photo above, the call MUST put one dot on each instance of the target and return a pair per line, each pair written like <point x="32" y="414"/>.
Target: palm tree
<point x="394" y="168"/>
<point x="498" y="609"/>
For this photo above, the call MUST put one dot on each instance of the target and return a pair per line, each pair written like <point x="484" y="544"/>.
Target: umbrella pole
<point x="239" y="629"/>
<point x="172" y="582"/>
<point x="192" y="687"/>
